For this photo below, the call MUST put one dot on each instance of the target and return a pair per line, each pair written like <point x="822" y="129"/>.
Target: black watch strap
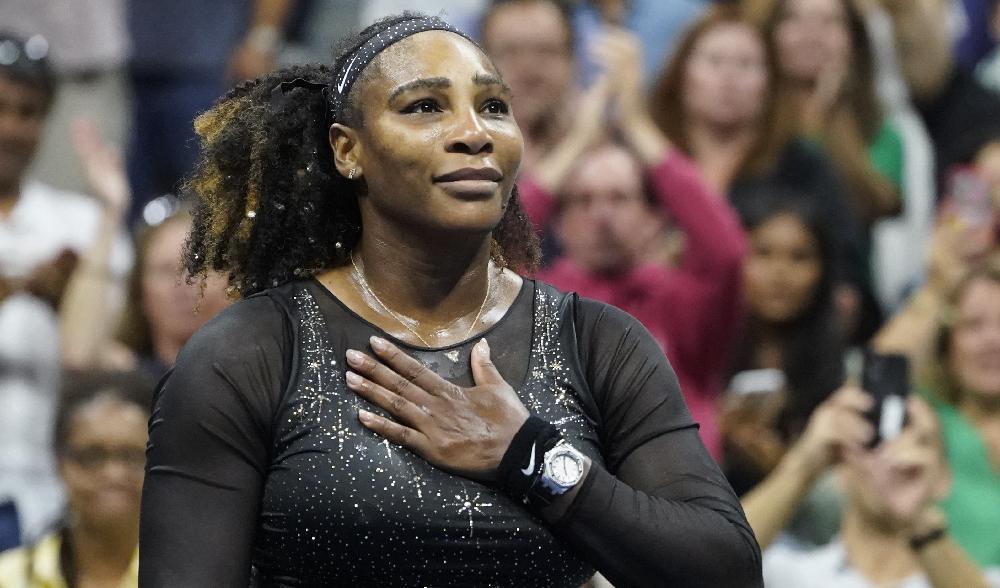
<point x="919" y="542"/>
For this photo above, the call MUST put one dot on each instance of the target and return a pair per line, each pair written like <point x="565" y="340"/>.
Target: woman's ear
<point x="347" y="150"/>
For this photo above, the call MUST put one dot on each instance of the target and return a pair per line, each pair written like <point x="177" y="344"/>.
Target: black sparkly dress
<point x="259" y="472"/>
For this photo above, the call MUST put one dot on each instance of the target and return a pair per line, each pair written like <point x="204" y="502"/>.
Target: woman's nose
<point x="470" y="135"/>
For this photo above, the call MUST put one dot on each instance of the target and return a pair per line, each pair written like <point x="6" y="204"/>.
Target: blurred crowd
<point x="769" y="186"/>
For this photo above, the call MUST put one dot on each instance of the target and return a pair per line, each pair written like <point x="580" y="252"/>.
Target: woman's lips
<point x="489" y="174"/>
<point x="470" y="182"/>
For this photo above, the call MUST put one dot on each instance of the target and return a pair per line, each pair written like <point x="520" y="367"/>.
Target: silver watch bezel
<point x="561" y="449"/>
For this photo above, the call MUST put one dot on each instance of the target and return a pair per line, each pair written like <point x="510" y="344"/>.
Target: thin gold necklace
<point x="399" y="318"/>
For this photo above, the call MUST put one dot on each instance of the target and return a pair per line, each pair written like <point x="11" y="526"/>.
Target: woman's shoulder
<point x="245" y="326"/>
<point x="241" y="360"/>
<point x="594" y="320"/>
<point x="585" y="310"/>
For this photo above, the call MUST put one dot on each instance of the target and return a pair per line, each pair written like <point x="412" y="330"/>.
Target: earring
<point x="350" y="176"/>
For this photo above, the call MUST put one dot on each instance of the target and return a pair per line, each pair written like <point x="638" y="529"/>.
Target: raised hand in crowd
<point x="49" y="281"/>
<point x="903" y="478"/>
<point x="890" y="497"/>
<point x="895" y="488"/>
<point x="104" y="169"/>
<point x="616" y="101"/>
<point x="86" y="317"/>
<point x="257" y="52"/>
<point x="620" y="53"/>
<point x="587" y="129"/>
<point x="748" y="422"/>
<point x="836" y="428"/>
<point x="820" y="105"/>
<point x="965" y="235"/>
<point x="923" y="45"/>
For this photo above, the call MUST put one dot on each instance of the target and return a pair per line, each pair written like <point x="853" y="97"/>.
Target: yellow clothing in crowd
<point x="38" y="566"/>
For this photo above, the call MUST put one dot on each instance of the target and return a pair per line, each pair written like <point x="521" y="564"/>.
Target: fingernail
<point x="484" y="348"/>
<point x="364" y="415"/>
<point x="378" y="343"/>
<point x="353" y="379"/>
<point x="355" y="357"/>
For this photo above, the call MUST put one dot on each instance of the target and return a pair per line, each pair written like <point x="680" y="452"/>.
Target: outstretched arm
<point x="85" y="312"/>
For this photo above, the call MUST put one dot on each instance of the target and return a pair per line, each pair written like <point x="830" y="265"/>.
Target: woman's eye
<point x="496" y="106"/>
<point x="424" y="106"/>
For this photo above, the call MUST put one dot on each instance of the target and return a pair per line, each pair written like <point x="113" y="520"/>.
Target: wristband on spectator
<point x="522" y="462"/>
<point x="921" y="541"/>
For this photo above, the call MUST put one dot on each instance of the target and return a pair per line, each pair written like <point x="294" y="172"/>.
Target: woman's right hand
<point x="836" y="427"/>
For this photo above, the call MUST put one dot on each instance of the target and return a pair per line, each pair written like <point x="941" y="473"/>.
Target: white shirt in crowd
<point x="786" y="566"/>
<point x="29" y="388"/>
<point x="43" y="223"/>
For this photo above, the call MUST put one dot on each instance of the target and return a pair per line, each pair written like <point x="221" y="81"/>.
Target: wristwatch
<point x="562" y="469"/>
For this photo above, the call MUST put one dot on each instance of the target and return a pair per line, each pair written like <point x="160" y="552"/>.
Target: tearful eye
<point x="424" y="106"/>
<point x="496" y="106"/>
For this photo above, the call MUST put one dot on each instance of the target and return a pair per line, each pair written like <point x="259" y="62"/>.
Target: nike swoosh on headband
<point x="531" y="463"/>
<point x="343" y="80"/>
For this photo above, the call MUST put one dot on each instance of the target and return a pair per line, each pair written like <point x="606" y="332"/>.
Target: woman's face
<point x="530" y="43"/>
<point x="812" y="35"/>
<point x="975" y="339"/>
<point x="168" y="301"/>
<point x="726" y="78"/>
<point x="438" y="149"/>
<point x="783" y="269"/>
<point x="102" y="462"/>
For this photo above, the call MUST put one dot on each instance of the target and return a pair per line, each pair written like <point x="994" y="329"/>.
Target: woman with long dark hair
<point x="792" y="327"/>
<point x="827" y="72"/>
<point x="391" y="404"/>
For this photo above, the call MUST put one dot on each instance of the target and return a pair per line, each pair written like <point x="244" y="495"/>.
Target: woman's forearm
<point x="85" y="310"/>
<point x="636" y="538"/>
<point x="948" y="566"/>
<point x="771" y="504"/>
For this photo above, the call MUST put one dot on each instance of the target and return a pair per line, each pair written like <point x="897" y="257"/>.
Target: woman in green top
<point x="965" y="389"/>
<point x="828" y="75"/>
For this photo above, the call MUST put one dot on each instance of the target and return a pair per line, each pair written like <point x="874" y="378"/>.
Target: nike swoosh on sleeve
<point x="531" y="463"/>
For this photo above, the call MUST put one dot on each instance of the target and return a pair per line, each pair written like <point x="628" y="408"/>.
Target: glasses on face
<point x="96" y="458"/>
<point x="35" y="48"/>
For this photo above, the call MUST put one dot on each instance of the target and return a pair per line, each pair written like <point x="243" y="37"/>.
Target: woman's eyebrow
<point x="439" y="83"/>
<point x="432" y="83"/>
<point x="487" y="79"/>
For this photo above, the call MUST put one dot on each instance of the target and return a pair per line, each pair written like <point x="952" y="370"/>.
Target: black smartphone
<point x="887" y="379"/>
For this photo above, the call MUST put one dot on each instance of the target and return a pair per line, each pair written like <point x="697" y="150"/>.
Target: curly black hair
<point x="269" y="204"/>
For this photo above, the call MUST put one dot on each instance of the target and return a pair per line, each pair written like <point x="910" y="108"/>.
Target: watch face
<point x="566" y="468"/>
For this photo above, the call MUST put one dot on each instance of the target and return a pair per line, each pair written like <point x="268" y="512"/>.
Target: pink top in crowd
<point x="694" y="310"/>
